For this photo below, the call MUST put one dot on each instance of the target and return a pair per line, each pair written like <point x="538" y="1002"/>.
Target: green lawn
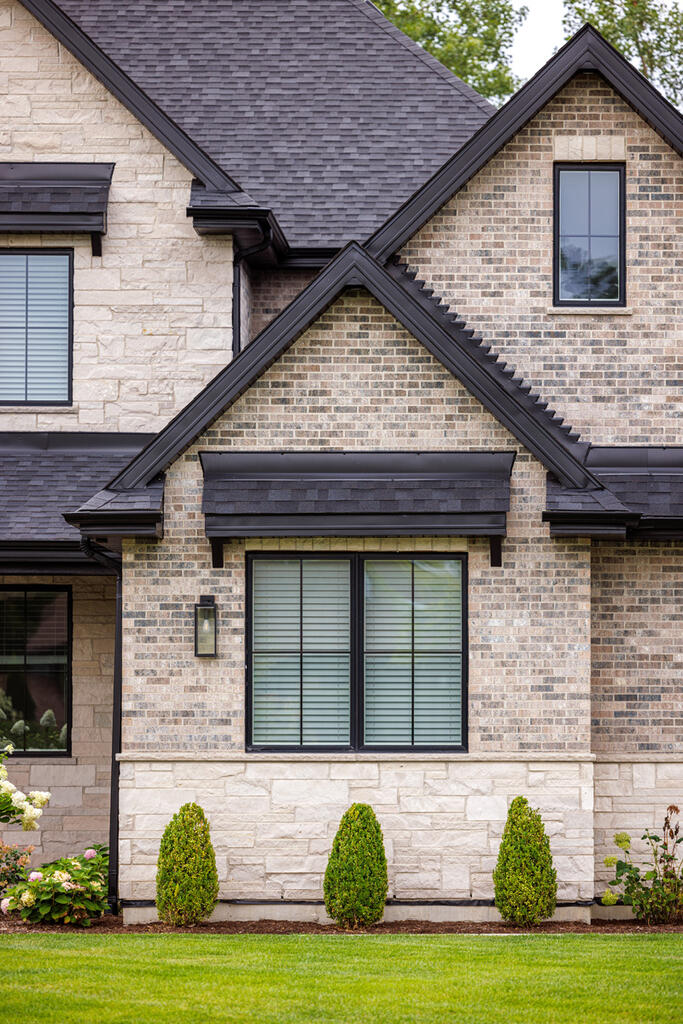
<point x="444" y="979"/>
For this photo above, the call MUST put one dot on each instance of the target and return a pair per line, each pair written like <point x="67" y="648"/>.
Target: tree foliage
<point x="471" y="37"/>
<point x="648" y="32"/>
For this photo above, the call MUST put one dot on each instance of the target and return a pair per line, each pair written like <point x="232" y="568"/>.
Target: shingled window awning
<point x="55" y="197"/>
<point x="301" y="494"/>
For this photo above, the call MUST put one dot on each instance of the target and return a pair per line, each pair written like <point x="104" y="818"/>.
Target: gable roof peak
<point x="587" y="50"/>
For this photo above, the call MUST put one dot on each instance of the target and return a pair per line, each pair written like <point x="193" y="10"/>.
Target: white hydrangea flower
<point x="3" y="772"/>
<point x="39" y="798"/>
<point x="19" y="798"/>
<point x="9" y="749"/>
<point x="62" y="876"/>
<point x="27" y="898"/>
<point x="6" y="786"/>
<point x="29" y="825"/>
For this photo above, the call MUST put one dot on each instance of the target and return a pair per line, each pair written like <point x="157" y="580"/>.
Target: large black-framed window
<point x="36" y="326"/>
<point x="35" y="669"/>
<point x="589" y="260"/>
<point x="356" y="651"/>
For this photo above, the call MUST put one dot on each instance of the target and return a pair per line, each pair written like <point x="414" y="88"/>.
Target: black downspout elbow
<point x="240" y="256"/>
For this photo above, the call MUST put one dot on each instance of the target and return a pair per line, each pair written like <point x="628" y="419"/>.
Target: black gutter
<point x="240" y="256"/>
<point x="97" y="554"/>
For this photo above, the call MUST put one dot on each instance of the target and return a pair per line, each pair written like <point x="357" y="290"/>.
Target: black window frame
<point x="356" y="560"/>
<point x="68" y="702"/>
<point x="619" y="166"/>
<point x="59" y="251"/>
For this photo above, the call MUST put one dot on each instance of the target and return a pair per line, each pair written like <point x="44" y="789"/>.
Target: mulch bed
<point x="114" y="925"/>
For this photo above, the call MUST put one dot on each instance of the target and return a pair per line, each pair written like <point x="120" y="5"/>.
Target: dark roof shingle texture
<point x="320" y="109"/>
<point x="45" y="474"/>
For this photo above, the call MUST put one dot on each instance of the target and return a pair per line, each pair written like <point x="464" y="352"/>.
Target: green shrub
<point x="525" y="880"/>
<point x="356" y="877"/>
<point x="71" y="890"/>
<point x="656" y="892"/>
<point x="13" y="863"/>
<point x="187" y="880"/>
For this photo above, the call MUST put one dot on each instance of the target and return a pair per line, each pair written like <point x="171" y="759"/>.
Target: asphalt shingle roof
<point x="320" y="109"/>
<point x="45" y="474"/>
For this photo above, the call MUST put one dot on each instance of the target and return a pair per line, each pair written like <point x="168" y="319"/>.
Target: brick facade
<point x="152" y="316"/>
<point x="78" y="813"/>
<point x="488" y="252"/>
<point x="271" y="291"/>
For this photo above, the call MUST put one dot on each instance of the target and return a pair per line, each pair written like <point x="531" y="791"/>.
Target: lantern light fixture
<point x="205" y="627"/>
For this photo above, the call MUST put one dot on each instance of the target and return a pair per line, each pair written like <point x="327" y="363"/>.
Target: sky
<point x="538" y="38"/>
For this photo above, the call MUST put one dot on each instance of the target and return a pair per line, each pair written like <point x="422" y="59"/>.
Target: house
<point x="341" y="446"/>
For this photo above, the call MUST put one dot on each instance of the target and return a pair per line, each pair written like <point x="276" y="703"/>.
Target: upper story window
<point x="589" y="235"/>
<point x="35" y="326"/>
<point x="359" y="652"/>
<point x="35" y="668"/>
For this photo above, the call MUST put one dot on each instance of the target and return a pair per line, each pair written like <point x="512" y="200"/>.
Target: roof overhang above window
<point x="61" y="198"/>
<point x="302" y="494"/>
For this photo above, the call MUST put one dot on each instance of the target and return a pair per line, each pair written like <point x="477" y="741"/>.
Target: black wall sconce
<point x="205" y="627"/>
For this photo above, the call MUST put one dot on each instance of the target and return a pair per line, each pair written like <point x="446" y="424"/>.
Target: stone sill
<point x="36" y="410"/>
<point x="336" y="758"/>
<point x="590" y="311"/>
<point x="655" y="757"/>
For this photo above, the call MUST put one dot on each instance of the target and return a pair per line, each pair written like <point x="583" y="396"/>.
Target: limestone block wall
<point x="637" y="661"/>
<point x="488" y="251"/>
<point x="152" y="316"/>
<point x="78" y="813"/>
<point x="632" y="793"/>
<point x="273" y="818"/>
<point x="358" y="380"/>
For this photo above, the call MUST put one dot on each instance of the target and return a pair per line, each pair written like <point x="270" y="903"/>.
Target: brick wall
<point x="78" y="813"/>
<point x="358" y="380"/>
<point x="271" y="291"/>
<point x="152" y="316"/>
<point x="488" y="251"/>
<point x="637" y="633"/>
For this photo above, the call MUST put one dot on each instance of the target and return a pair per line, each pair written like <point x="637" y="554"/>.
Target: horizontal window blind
<point x="356" y="651"/>
<point x="301" y="652"/>
<point x="412" y="654"/>
<point x="35" y="310"/>
<point x="34" y="668"/>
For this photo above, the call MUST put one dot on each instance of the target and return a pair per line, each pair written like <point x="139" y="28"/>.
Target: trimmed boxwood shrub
<point x="356" y="877"/>
<point x="187" y="880"/>
<point x="525" y="880"/>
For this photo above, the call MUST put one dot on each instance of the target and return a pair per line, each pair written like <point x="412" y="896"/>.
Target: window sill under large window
<point x="34" y="409"/>
<point x="352" y="757"/>
<point x="590" y="311"/>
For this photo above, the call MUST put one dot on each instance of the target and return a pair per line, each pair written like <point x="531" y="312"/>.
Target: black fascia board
<point x="478" y="524"/>
<point x="234" y="220"/>
<point x="590" y="524"/>
<point x="357" y="465"/>
<point x="587" y="50"/>
<point x="54" y="223"/>
<point x="352" y="268"/>
<point x="117" y="524"/>
<point x="131" y="95"/>
<point x="46" y="558"/>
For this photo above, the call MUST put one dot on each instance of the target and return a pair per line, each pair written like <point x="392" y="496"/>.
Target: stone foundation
<point x="273" y="819"/>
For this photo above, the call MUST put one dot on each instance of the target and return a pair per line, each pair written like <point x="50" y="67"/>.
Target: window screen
<point x="34" y="668"/>
<point x="589" y="235"/>
<point x="35" y="327"/>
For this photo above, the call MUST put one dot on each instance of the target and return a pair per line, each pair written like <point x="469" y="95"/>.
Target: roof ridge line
<point x="428" y="59"/>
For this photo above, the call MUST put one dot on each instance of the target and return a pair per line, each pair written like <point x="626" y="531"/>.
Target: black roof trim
<point x="478" y="524"/>
<point x="42" y="558"/>
<point x="70" y="441"/>
<point x="117" y="523"/>
<point x="635" y="460"/>
<point x="587" y="50"/>
<point x="132" y="97"/>
<point x="54" y="197"/>
<point x="506" y="398"/>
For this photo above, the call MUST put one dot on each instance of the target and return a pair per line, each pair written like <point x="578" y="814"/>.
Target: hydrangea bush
<point x="16" y="808"/>
<point x="13" y="863"/>
<point x="656" y="892"/>
<point x="71" y="890"/>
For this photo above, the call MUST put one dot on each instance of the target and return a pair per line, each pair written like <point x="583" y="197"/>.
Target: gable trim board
<point x="440" y="331"/>
<point x="585" y="51"/>
<point x="130" y="95"/>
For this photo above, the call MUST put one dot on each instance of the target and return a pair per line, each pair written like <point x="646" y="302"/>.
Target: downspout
<point x="114" y="564"/>
<point x="240" y="255"/>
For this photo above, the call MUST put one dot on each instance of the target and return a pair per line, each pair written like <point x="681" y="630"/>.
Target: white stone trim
<point x="361" y="757"/>
<point x="584" y="148"/>
<point x="589" y="311"/>
<point x="663" y="757"/>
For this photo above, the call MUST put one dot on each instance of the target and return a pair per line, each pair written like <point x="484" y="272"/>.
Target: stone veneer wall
<point x="273" y="819"/>
<point x="78" y="813"/>
<point x="152" y="316"/>
<point x="632" y="793"/>
<point x="488" y="251"/>
<point x="637" y="644"/>
<point x="358" y="380"/>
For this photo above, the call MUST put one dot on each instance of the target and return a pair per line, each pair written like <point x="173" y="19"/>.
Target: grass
<point x="444" y="979"/>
